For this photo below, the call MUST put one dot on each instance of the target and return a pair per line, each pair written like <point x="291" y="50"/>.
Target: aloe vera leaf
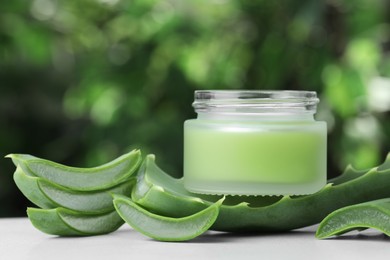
<point x="386" y="165"/>
<point x="166" y="228"/>
<point x="161" y="194"/>
<point x="349" y="174"/>
<point x="63" y="222"/>
<point x="91" y="201"/>
<point x="45" y="194"/>
<point x="29" y="186"/>
<point x="82" y="179"/>
<point x="49" y="222"/>
<point x="172" y="197"/>
<point x="372" y="214"/>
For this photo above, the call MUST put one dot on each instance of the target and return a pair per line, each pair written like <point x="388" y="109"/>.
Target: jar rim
<point x="258" y="101"/>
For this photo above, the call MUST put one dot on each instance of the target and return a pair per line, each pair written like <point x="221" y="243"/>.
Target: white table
<point x="20" y="240"/>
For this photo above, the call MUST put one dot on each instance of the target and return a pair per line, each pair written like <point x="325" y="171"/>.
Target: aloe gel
<point x="255" y="143"/>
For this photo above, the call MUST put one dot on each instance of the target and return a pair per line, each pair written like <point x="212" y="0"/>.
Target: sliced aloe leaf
<point x="372" y="214"/>
<point x="29" y="186"/>
<point x="148" y="191"/>
<point x="92" y="201"/>
<point x="63" y="222"/>
<point x="45" y="194"/>
<point x="154" y="185"/>
<point x="166" y="228"/>
<point x="159" y="193"/>
<point x="83" y="179"/>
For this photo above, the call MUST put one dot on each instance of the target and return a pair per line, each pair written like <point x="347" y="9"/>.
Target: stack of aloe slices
<point x="74" y="201"/>
<point x="93" y="201"/>
<point x="77" y="201"/>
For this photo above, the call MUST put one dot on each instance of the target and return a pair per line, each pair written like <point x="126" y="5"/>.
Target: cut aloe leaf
<point x="64" y="222"/>
<point x="372" y="214"/>
<point x="166" y="228"/>
<point x="148" y="191"/>
<point x="29" y="186"/>
<point x="92" y="201"/>
<point x="48" y="195"/>
<point x="82" y="179"/>
<point x="158" y="192"/>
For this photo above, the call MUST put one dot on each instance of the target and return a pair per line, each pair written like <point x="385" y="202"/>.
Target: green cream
<point x="260" y="158"/>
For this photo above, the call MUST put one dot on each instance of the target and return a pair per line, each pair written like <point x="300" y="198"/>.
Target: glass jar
<point x="255" y="143"/>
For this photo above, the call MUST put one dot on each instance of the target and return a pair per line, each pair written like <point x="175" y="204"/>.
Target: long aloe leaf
<point x="160" y="193"/>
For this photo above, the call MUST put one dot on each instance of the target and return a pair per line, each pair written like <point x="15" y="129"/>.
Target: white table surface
<point x="20" y="240"/>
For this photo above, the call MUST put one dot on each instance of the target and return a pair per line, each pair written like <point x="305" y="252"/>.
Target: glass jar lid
<point x="255" y="101"/>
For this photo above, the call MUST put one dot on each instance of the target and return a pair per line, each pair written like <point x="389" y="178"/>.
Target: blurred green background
<point x="82" y="82"/>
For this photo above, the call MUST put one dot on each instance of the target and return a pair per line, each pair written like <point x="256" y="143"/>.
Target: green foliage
<point x="84" y="81"/>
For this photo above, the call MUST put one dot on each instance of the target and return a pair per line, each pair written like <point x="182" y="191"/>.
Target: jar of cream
<point x="255" y="143"/>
